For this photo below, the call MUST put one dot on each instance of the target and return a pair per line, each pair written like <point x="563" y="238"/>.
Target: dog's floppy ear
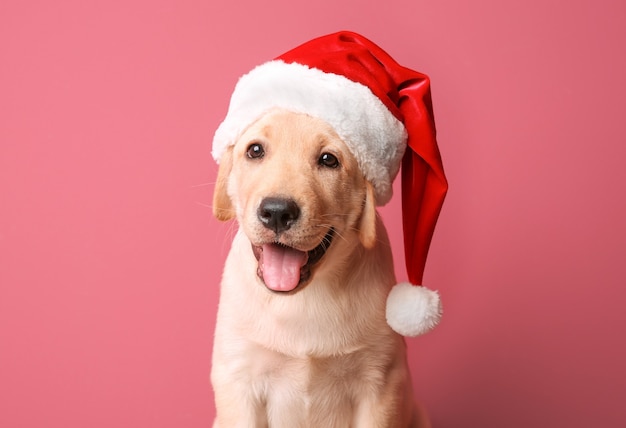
<point x="367" y="226"/>
<point x="222" y="205"/>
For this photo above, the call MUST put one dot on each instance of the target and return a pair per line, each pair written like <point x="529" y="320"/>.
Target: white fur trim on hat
<point x="375" y="136"/>
<point x="413" y="310"/>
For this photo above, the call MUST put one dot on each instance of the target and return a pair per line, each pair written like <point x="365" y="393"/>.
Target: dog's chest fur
<point x="310" y="392"/>
<point x="317" y="392"/>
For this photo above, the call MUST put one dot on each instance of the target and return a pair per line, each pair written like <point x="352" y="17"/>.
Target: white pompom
<point x="413" y="310"/>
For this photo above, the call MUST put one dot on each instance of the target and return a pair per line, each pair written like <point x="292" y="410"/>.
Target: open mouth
<point x="284" y="269"/>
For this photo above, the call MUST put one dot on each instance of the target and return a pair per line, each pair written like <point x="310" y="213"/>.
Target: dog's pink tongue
<point x="281" y="267"/>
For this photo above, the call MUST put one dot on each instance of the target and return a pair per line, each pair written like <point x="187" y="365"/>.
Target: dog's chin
<point x="287" y="270"/>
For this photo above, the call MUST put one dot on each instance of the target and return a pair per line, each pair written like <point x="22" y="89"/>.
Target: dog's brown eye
<point x="328" y="160"/>
<point x="255" y="151"/>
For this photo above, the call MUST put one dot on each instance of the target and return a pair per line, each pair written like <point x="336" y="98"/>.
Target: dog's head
<point x="297" y="193"/>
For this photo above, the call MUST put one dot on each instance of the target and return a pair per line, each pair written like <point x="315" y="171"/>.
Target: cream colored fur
<point x="323" y="356"/>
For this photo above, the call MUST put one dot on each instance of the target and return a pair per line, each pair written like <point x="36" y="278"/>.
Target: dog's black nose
<point x="278" y="214"/>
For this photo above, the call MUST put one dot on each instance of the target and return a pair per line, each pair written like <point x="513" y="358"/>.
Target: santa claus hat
<point x="383" y="113"/>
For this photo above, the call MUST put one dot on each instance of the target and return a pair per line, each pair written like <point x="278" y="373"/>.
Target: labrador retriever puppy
<point x="301" y="338"/>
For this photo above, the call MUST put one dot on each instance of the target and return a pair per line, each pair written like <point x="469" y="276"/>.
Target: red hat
<point x="379" y="109"/>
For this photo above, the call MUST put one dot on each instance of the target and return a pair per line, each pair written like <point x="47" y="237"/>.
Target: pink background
<point x="110" y="259"/>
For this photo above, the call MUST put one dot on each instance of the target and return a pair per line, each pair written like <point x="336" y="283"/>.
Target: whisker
<point x="335" y="215"/>
<point x="357" y="231"/>
<point x="328" y="227"/>
<point x="210" y="183"/>
<point x="202" y="204"/>
<point x="212" y="207"/>
<point x="232" y="230"/>
<point x="339" y="235"/>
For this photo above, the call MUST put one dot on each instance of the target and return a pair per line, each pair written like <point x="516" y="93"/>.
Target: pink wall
<point x="110" y="259"/>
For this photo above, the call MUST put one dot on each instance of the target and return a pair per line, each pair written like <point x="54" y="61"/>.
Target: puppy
<point x="301" y="338"/>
